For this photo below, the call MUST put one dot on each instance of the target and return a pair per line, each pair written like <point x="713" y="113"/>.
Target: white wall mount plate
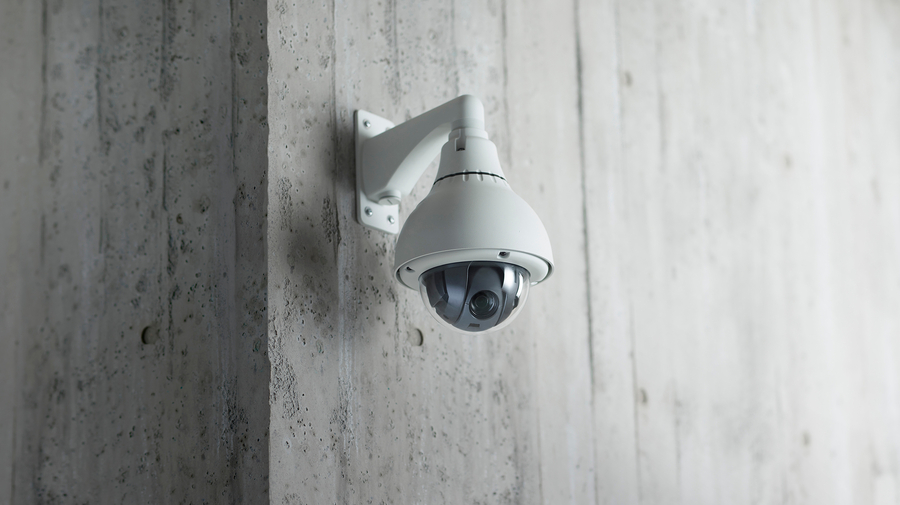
<point x="381" y="217"/>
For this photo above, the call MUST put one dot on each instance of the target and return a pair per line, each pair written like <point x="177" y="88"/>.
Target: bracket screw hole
<point x="369" y="212"/>
<point x="503" y="254"/>
<point x="409" y="269"/>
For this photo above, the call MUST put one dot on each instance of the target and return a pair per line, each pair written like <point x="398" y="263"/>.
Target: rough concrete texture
<point x="134" y="278"/>
<point x="20" y="105"/>
<point x="360" y="414"/>
<point x="720" y="185"/>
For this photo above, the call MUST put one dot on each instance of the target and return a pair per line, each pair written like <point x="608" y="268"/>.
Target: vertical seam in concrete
<point x="164" y="78"/>
<point x="104" y="142"/>
<point x="342" y="490"/>
<point x="12" y="476"/>
<point x="579" y="68"/>
<point x="634" y="403"/>
<point x="42" y="141"/>
<point x="336" y="140"/>
<point x="169" y="344"/>
<point x="98" y="108"/>
<point x="660" y="96"/>
<point x="453" y="43"/>
<point x="17" y="347"/>
<point x="661" y="129"/>
<point x="229" y="364"/>
<point x="165" y="166"/>
<point x="234" y="101"/>
<point x="396" y="47"/>
<point x="634" y="375"/>
<point x="42" y="134"/>
<point x="508" y="146"/>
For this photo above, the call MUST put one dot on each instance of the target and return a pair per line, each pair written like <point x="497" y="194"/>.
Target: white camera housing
<point x="471" y="218"/>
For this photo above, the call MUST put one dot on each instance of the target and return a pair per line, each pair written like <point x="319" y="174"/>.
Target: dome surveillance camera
<point x="472" y="247"/>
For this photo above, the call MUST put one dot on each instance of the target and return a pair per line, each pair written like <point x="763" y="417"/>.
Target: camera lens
<point x="474" y="296"/>
<point x="484" y="304"/>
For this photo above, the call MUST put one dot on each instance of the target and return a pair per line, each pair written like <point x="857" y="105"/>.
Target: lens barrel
<point x="484" y="304"/>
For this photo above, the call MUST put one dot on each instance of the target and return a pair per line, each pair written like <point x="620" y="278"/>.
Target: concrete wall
<point x="133" y="241"/>
<point x="721" y="184"/>
<point x="722" y="188"/>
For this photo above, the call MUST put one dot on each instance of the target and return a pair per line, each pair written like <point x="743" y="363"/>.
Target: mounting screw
<point x="366" y="123"/>
<point x="391" y="219"/>
<point x="369" y="211"/>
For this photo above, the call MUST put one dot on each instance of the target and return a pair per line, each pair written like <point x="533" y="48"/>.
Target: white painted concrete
<point x="744" y="233"/>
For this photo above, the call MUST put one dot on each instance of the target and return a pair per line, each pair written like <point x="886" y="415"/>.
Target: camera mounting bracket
<point x="389" y="159"/>
<point x="384" y="217"/>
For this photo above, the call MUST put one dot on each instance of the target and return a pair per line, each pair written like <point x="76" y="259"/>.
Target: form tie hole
<point x="416" y="337"/>
<point x="150" y="334"/>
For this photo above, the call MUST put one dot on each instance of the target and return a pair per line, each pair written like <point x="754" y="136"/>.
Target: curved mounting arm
<point x="393" y="161"/>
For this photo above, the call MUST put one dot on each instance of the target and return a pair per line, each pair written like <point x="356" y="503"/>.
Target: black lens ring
<point x="484" y="304"/>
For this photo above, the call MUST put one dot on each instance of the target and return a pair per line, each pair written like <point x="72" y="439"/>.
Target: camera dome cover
<point x="471" y="214"/>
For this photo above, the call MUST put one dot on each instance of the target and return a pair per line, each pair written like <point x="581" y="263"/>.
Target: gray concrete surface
<point x="134" y="278"/>
<point x="190" y="312"/>
<point x="20" y="105"/>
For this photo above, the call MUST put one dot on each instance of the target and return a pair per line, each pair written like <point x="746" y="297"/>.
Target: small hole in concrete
<point x="150" y="334"/>
<point x="416" y="337"/>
